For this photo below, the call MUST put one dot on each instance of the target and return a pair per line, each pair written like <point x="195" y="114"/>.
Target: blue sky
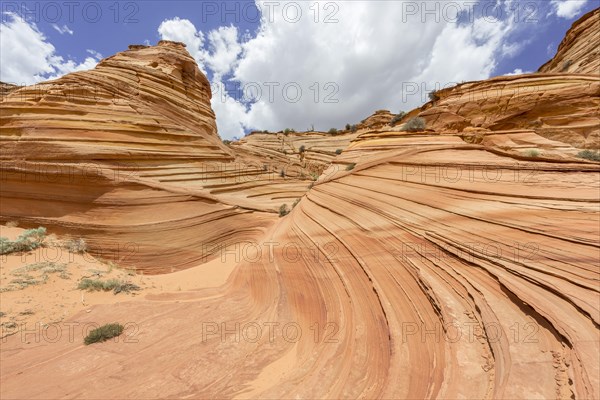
<point x="318" y="64"/>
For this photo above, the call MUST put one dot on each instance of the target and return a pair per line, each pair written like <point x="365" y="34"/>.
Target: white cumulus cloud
<point x="182" y="30"/>
<point x="568" y="8"/>
<point x="221" y="57"/>
<point x="517" y="71"/>
<point x="339" y="64"/>
<point x="27" y="57"/>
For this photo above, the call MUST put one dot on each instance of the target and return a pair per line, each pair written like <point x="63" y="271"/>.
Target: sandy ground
<point x="38" y="288"/>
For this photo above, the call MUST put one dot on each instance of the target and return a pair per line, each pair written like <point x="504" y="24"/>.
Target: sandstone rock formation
<point x="309" y="152"/>
<point x="579" y="51"/>
<point x="559" y="103"/>
<point x="127" y="155"/>
<point x="6" y="88"/>
<point x="456" y="262"/>
<point x="433" y="269"/>
<point x="378" y="120"/>
<point x="562" y="107"/>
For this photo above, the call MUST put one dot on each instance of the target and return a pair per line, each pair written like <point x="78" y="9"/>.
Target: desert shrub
<point x="282" y="173"/>
<point x="78" y="246"/>
<point x="104" y="333"/>
<point x="532" y="153"/>
<point x="302" y="149"/>
<point x="283" y="210"/>
<point x="29" y="240"/>
<point x="12" y="224"/>
<point x="46" y="267"/>
<point x="286" y="131"/>
<point x="348" y="127"/>
<point x="314" y="176"/>
<point x="589" y="155"/>
<point x="339" y="151"/>
<point x="6" y="246"/>
<point x="226" y="142"/>
<point x="24" y="281"/>
<point x="332" y="131"/>
<point x="350" y="167"/>
<point x="126" y="288"/>
<point x="397" y="118"/>
<point x="34" y="235"/>
<point x="98" y="285"/>
<point x="414" y="125"/>
<point x="433" y="96"/>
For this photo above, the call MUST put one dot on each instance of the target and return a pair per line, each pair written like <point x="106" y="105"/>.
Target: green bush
<point x="348" y="127"/>
<point x="46" y="267"/>
<point x="29" y="240"/>
<point x="433" y="96"/>
<point x="532" y="153"/>
<point x="97" y="285"/>
<point x="353" y="128"/>
<point x="103" y="333"/>
<point x="332" y="131"/>
<point x="397" y="118"/>
<point x="302" y="149"/>
<point x="283" y="210"/>
<point x="6" y="246"/>
<point x="415" y="124"/>
<point x="350" y="167"/>
<point x="589" y="155"/>
<point x="226" y="142"/>
<point x="339" y="151"/>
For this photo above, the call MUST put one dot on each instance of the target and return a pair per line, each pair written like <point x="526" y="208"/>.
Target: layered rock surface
<point x="308" y="152"/>
<point x="434" y="269"/>
<point x="449" y="263"/>
<point x="127" y="155"/>
<point x="6" y="88"/>
<point x="579" y="51"/>
<point x="559" y="103"/>
<point x="563" y="107"/>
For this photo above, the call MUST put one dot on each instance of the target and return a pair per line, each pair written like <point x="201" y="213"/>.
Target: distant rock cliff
<point x="579" y="52"/>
